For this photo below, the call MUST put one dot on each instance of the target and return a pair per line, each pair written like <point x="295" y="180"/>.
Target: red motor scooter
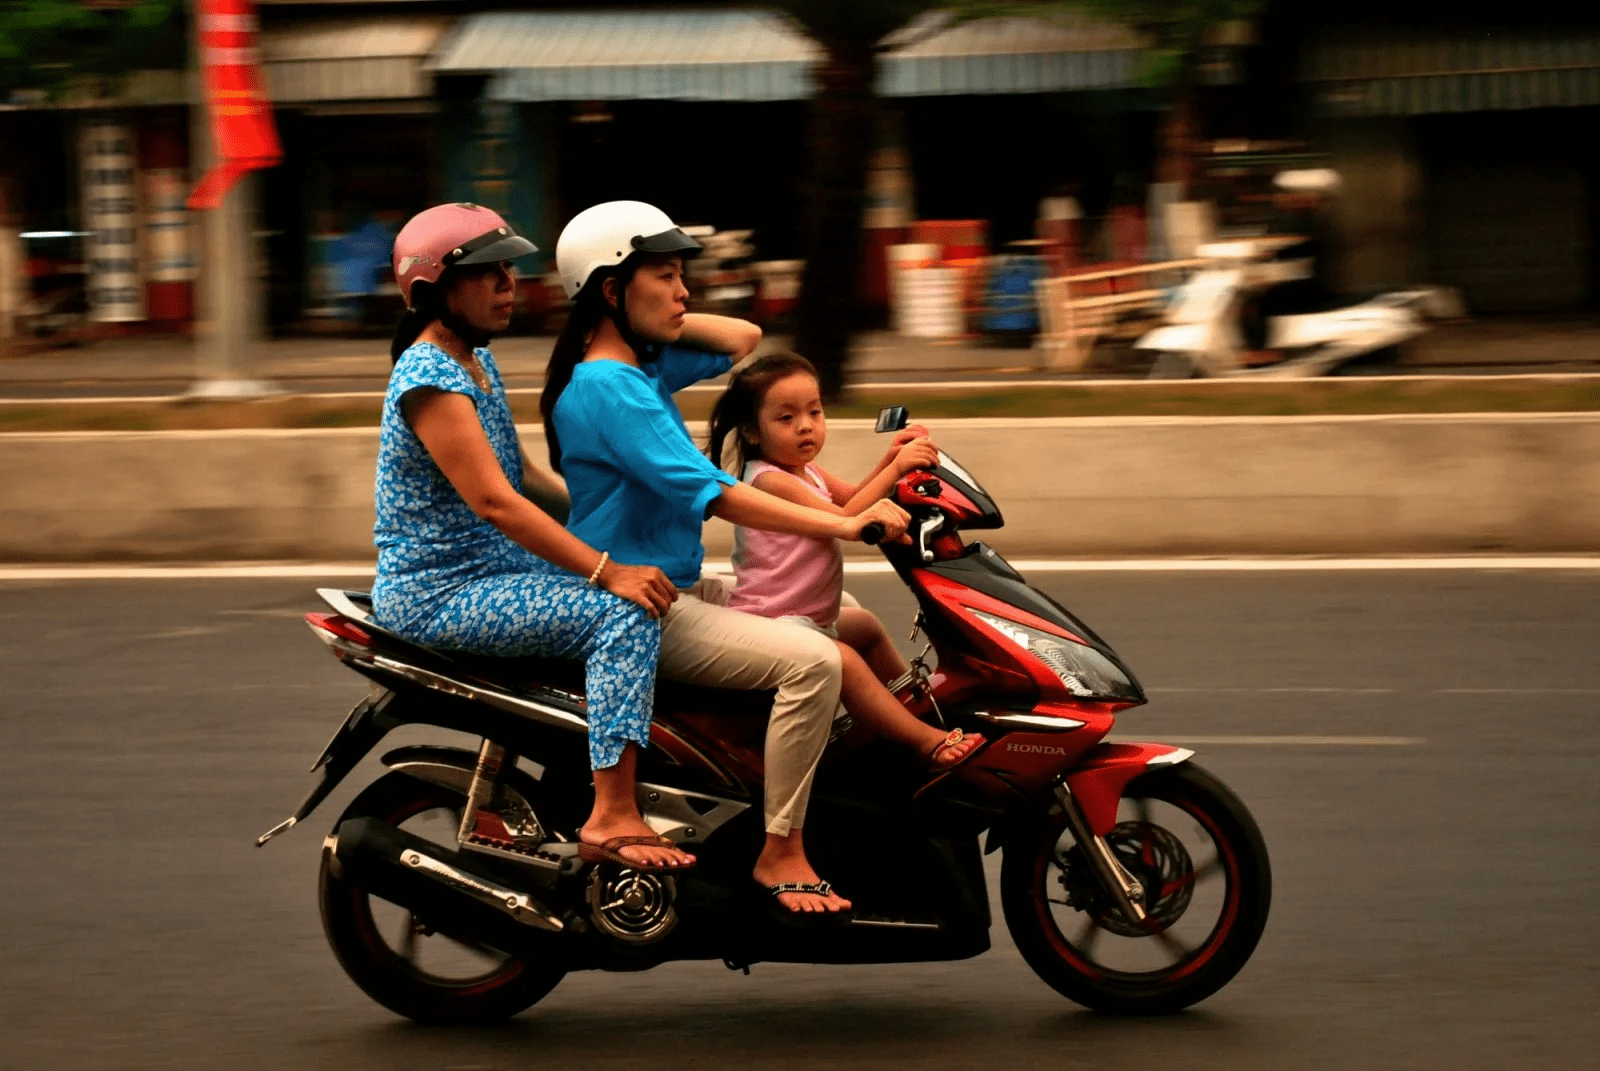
<point x="1131" y="881"/>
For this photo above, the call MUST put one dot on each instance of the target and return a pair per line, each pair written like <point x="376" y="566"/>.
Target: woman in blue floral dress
<point x="465" y="560"/>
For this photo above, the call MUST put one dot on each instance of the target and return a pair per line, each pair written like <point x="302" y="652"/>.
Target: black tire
<point x="1378" y="362"/>
<point x="1172" y="365"/>
<point x="1042" y="858"/>
<point x="399" y="982"/>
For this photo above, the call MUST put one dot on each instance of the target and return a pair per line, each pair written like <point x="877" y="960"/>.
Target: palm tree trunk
<point x="1175" y="141"/>
<point x="840" y="141"/>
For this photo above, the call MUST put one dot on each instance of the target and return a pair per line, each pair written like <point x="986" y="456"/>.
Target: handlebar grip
<point x="872" y="533"/>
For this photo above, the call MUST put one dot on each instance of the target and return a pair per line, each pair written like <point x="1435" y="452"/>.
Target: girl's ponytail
<point x="734" y="409"/>
<point x="740" y="405"/>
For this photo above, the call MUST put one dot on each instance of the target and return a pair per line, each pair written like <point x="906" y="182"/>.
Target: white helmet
<point x="607" y="234"/>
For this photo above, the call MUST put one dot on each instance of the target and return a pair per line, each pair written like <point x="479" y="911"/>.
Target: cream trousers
<point x="704" y="642"/>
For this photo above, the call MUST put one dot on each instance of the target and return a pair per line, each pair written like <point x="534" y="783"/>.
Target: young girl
<point x="773" y="407"/>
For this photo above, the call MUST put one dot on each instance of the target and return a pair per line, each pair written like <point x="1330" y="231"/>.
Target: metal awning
<point x="1007" y="55"/>
<point x="759" y="55"/>
<point x="347" y="59"/>
<point x="1395" y="72"/>
<point x="632" y="55"/>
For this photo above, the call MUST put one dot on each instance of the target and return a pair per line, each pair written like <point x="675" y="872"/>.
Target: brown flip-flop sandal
<point x="611" y="852"/>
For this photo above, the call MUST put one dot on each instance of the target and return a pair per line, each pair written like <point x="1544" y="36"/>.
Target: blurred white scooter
<point x="1202" y="333"/>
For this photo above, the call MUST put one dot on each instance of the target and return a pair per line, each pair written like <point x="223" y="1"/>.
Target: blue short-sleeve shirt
<point x="639" y="487"/>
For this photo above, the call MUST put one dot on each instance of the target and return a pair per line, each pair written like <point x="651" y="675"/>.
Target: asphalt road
<point x="1419" y="749"/>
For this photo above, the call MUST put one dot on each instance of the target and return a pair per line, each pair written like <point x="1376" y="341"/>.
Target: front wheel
<point x="1196" y="851"/>
<point x="399" y="961"/>
<point x="1172" y="365"/>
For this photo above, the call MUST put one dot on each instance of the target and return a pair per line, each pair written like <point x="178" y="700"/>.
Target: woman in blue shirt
<point x="465" y="561"/>
<point x="640" y="489"/>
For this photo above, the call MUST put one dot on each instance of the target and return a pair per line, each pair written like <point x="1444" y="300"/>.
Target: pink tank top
<point x="787" y="575"/>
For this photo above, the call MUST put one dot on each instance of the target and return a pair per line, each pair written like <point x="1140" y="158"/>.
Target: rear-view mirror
<point x="892" y="418"/>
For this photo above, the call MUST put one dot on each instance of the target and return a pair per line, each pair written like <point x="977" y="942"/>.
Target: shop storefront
<point x="706" y="111"/>
<point x="360" y="124"/>
<point x="1464" y="159"/>
<point x="93" y="215"/>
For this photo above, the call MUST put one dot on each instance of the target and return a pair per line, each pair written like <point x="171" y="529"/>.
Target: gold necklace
<point x="479" y="376"/>
<point x="469" y="362"/>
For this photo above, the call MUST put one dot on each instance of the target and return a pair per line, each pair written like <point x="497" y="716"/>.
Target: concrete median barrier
<point x="1068" y="486"/>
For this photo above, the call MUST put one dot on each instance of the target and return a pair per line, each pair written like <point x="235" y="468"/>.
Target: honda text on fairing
<point x="1131" y="881"/>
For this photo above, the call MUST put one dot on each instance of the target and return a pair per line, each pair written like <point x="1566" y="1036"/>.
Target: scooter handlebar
<point x="872" y="533"/>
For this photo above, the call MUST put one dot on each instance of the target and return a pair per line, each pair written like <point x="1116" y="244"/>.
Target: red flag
<point x="241" y="115"/>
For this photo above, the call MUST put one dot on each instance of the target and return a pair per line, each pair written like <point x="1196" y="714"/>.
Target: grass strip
<point x="1466" y="394"/>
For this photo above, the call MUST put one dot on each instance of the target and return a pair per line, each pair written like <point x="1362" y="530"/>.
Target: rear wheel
<point x="1172" y="365"/>
<point x="1196" y="851"/>
<point x="397" y="960"/>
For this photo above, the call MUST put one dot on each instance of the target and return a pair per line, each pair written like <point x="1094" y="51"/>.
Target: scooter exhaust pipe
<point x="441" y="887"/>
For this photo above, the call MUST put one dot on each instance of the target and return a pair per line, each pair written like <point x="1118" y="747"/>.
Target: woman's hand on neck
<point x="607" y="344"/>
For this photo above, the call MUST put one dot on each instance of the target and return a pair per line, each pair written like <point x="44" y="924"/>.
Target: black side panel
<point x="990" y="511"/>
<point x="983" y="570"/>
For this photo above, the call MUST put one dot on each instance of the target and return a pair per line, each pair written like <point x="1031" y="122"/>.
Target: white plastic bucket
<point x="928" y="303"/>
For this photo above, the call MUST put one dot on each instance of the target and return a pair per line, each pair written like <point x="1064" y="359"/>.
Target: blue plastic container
<point x="1013" y="308"/>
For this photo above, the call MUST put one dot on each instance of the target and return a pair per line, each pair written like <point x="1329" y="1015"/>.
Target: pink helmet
<point x="446" y="235"/>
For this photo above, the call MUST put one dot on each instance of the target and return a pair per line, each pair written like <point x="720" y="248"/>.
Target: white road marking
<point x="1519" y="691"/>
<point x="184" y="633"/>
<point x="1282" y="565"/>
<point x="221" y="571"/>
<point x="1296" y="741"/>
<point x="1276" y="691"/>
<point x="719" y="384"/>
<point x="295" y="614"/>
<point x="860" y="567"/>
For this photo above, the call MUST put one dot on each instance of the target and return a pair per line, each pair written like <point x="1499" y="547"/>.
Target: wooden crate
<point x="1077" y="309"/>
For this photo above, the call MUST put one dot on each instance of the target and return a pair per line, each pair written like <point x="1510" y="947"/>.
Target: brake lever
<point x="925" y="530"/>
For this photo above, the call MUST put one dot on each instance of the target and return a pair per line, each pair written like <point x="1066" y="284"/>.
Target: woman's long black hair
<point x="428" y="303"/>
<point x="588" y="309"/>
<point x="740" y="405"/>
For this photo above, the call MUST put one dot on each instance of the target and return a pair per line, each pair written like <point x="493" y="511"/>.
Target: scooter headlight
<point x="1083" y="670"/>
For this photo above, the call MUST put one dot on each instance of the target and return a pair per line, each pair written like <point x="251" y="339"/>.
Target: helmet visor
<point x="673" y="241"/>
<point x="490" y="248"/>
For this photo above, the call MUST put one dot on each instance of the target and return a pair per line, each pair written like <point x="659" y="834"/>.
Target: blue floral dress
<point x="449" y="579"/>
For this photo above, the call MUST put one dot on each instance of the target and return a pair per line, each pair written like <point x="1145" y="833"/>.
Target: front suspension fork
<point x="1124" y="888"/>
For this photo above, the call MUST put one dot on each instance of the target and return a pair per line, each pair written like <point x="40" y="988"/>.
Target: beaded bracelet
<point x="594" y="577"/>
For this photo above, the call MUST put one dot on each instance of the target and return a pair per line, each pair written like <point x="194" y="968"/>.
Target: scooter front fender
<point x="1098" y="781"/>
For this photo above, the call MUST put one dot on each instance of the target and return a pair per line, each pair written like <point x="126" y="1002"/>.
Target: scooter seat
<point x="527" y="674"/>
<point x="1335" y="325"/>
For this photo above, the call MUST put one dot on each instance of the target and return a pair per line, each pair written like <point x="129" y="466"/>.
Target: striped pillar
<point x="169" y="258"/>
<point x="111" y="216"/>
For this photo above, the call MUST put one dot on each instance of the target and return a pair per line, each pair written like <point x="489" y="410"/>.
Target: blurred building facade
<point x="1462" y="146"/>
<point x="1466" y="143"/>
<point x="385" y="106"/>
